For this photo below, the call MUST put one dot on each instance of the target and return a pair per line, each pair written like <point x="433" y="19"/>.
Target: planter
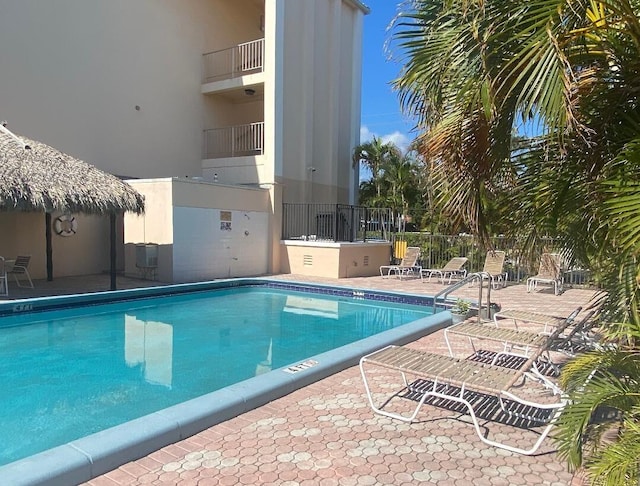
<point x="487" y="314"/>
<point x="457" y="318"/>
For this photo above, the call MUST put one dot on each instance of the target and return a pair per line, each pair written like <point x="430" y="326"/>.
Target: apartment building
<point x="256" y="95"/>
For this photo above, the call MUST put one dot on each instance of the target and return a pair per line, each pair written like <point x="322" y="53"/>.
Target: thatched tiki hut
<point x="35" y="177"/>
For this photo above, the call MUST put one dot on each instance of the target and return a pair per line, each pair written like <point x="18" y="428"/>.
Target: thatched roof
<point x="37" y="177"/>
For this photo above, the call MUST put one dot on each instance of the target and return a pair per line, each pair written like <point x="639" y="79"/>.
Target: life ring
<point x="65" y="225"/>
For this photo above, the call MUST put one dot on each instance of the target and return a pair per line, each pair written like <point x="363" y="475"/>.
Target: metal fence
<point x="520" y="261"/>
<point x="236" y="141"/>
<point x="341" y="222"/>
<point x="246" y="58"/>
<point x="335" y="222"/>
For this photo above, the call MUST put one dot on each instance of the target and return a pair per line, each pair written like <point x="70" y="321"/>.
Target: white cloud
<point x="399" y="139"/>
<point x="365" y="134"/>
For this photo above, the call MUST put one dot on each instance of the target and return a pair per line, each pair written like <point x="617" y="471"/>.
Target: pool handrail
<point x="468" y="279"/>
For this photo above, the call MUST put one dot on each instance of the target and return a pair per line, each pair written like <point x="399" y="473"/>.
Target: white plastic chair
<point x="4" y="284"/>
<point x="20" y="268"/>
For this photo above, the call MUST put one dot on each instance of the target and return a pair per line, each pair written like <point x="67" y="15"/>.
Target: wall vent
<point x="365" y="262"/>
<point x="307" y="260"/>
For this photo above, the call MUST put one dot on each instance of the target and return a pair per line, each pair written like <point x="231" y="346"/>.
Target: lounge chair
<point x="4" y="285"/>
<point x="453" y="268"/>
<point x="519" y="343"/>
<point x="516" y="315"/>
<point x="580" y="338"/>
<point x="494" y="268"/>
<point x="550" y="272"/>
<point x="479" y="387"/>
<point x="20" y="268"/>
<point x="408" y="264"/>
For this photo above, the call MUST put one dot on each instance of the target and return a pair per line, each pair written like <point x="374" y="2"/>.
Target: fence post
<point x="285" y="224"/>
<point x="364" y="226"/>
<point x="352" y="226"/>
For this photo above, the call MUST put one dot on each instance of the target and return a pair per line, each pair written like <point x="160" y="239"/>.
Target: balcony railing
<point x="247" y="58"/>
<point x="236" y="141"/>
<point x="334" y="222"/>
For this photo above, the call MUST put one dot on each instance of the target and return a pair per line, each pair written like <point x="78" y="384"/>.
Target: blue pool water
<point x="69" y="373"/>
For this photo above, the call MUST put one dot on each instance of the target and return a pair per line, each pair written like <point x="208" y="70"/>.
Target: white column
<point x="356" y="102"/>
<point x="273" y="87"/>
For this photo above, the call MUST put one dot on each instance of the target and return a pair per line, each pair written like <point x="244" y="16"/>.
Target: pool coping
<point x="85" y="458"/>
<point x="43" y="304"/>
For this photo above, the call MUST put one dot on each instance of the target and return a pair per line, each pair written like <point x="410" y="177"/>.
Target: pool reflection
<point x="149" y="344"/>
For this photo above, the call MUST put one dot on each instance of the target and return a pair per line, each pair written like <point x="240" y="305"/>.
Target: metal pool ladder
<point x="480" y="276"/>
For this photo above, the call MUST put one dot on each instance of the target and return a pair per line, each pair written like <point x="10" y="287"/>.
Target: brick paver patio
<point x="326" y="433"/>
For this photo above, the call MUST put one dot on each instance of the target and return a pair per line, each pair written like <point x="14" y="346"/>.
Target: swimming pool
<point x="146" y="361"/>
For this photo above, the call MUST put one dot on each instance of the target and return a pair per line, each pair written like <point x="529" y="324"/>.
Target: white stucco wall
<point x="118" y="83"/>
<point x="73" y="71"/>
<point x="184" y="219"/>
<point x="203" y="250"/>
<point x="318" y="66"/>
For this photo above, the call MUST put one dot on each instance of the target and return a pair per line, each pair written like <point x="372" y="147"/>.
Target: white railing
<point x="247" y="58"/>
<point x="236" y="141"/>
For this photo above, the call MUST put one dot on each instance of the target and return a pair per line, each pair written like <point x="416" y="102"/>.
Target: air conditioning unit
<point x="146" y="255"/>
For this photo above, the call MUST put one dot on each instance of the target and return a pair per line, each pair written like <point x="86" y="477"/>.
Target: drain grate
<point x="310" y="363"/>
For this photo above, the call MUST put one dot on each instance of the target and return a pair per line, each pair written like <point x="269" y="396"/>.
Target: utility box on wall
<point x="146" y="255"/>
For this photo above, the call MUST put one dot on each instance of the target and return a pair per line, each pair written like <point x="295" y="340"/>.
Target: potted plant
<point x="460" y="310"/>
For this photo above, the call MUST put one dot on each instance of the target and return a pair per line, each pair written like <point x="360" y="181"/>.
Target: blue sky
<point x="381" y="114"/>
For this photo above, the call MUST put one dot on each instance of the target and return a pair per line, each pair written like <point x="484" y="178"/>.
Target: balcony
<point x="236" y="141"/>
<point x="234" y="62"/>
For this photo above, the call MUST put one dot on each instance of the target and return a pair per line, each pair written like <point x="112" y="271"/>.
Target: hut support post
<point x="49" y="246"/>
<point x="112" y="240"/>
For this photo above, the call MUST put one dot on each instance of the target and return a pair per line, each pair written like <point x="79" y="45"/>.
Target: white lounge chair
<point x="494" y="267"/>
<point x="408" y="264"/>
<point x="550" y="272"/>
<point x="511" y="342"/>
<point x="453" y="268"/>
<point x="477" y="386"/>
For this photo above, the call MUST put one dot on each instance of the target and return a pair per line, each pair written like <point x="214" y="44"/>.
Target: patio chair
<point x="494" y="268"/>
<point x="488" y="392"/>
<point x="453" y="268"/>
<point x="20" y="268"/>
<point x="520" y="343"/>
<point x="408" y="264"/>
<point x="580" y="338"/>
<point x="550" y="272"/>
<point x="517" y="315"/>
<point x="4" y="284"/>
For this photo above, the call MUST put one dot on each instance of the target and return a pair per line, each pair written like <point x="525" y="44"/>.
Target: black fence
<point x="335" y="222"/>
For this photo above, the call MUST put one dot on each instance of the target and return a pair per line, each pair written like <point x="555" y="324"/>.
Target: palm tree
<point x="401" y="184"/>
<point x="374" y="155"/>
<point x="446" y="84"/>
<point x="474" y="70"/>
